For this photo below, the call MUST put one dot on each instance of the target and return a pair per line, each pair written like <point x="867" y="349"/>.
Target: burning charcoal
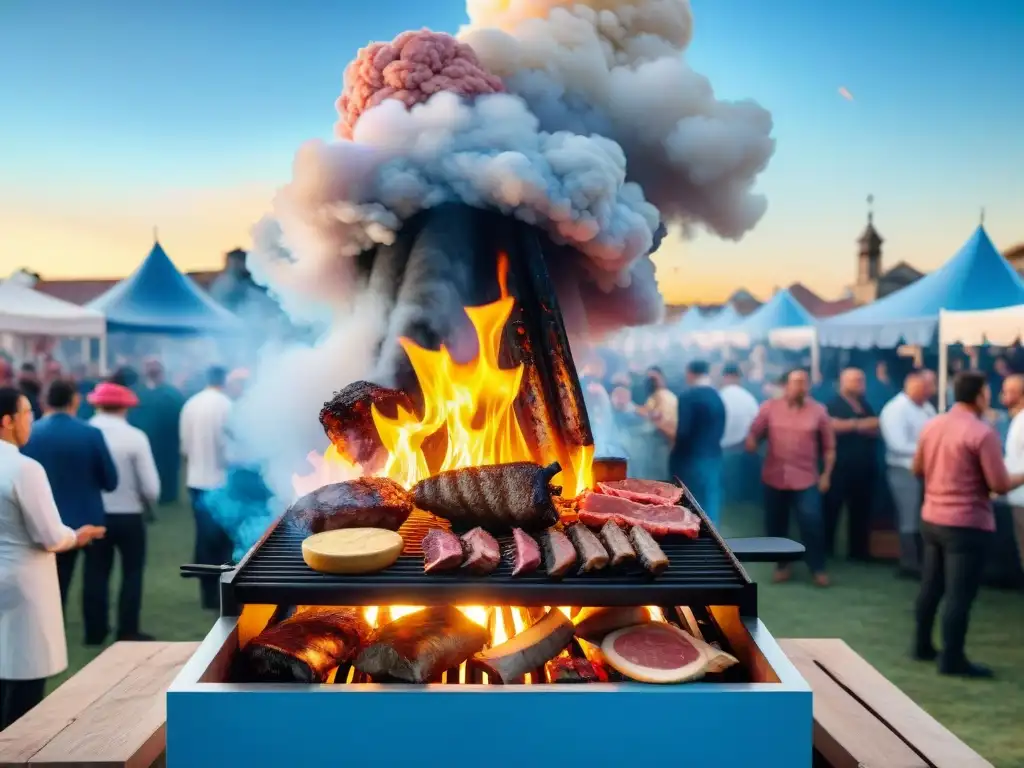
<point x="348" y="418"/>
<point x="499" y="497"/>
<point x="529" y="649"/>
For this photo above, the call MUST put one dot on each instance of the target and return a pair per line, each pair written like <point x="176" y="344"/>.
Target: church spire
<point x="869" y="254"/>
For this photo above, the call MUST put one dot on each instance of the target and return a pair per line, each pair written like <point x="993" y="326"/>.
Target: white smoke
<point x="618" y="68"/>
<point x="346" y="197"/>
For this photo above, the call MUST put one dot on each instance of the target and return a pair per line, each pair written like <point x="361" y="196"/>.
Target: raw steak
<point x="661" y="520"/>
<point x="643" y="491"/>
<point x="442" y="551"/>
<point x="526" y="552"/>
<point x="481" y="551"/>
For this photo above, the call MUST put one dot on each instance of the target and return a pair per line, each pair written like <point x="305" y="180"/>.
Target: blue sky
<point x="119" y="116"/>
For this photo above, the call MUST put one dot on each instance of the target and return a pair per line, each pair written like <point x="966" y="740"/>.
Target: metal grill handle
<point x="765" y="549"/>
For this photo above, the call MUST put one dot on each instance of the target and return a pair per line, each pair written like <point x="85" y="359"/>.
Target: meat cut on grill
<point x="591" y="551"/>
<point x="368" y="502"/>
<point x="498" y="497"/>
<point x="642" y="491"/>
<point x="661" y="520"/>
<point x="528" y="650"/>
<point x="418" y="647"/>
<point x="617" y="543"/>
<point x="442" y="551"/>
<point x="652" y="558"/>
<point x="347" y="418"/>
<point x="525" y="553"/>
<point x="481" y="552"/>
<point x="559" y="553"/>
<point x="303" y="648"/>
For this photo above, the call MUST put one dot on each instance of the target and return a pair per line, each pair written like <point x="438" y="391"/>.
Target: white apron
<point x="32" y="642"/>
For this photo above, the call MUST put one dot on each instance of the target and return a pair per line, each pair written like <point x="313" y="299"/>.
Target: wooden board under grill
<point x="701" y="572"/>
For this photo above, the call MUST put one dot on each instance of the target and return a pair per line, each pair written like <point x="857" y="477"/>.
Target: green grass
<point x="866" y="607"/>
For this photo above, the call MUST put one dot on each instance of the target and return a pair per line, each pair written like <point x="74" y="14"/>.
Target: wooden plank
<point x="61" y="708"/>
<point x="940" y="747"/>
<point x="125" y="727"/>
<point x="845" y="733"/>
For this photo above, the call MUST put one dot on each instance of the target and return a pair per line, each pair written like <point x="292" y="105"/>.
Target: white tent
<point x="27" y="312"/>
<point x="1002" y="327"/>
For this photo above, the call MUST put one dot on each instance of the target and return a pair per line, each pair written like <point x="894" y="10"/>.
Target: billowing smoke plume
<point x="579" y="116"/>
<point x="617" y="68"/>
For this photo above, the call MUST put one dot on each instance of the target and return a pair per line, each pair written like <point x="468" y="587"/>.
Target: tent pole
<point x="103" y="356"/>
<point x="86" y="349"/>
<point x="943" y="366"/>
<point x="815" y="358"/>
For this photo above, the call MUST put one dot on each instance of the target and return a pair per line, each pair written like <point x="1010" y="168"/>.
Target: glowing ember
<point x="471" y="403"/>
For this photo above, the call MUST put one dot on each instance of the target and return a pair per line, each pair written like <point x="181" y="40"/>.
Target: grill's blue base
<point x="757" y="725"/>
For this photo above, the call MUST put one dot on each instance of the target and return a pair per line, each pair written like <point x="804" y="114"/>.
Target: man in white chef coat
<point x="32" y="642"/>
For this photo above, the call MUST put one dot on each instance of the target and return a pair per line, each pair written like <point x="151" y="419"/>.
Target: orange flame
<point x="472" y="402"/>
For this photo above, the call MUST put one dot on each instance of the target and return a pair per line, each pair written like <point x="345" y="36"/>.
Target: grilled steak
<point x="617" y="543"/>
<point x="571" y="669"/>
<point x="303" y="648"/>
<point x="647" y="549"/>
<point x="368" y="502"/>
<point x="499" y="497"/>
<point x="525" y="552"/>
<point x="559" y="554"/>
<point x="530" y="649"/>
<point x="481" y="551"/>
<point x="442" y="551"/>
<point x="592" y="554"/>
<point x="348" y="418"/>
<point x="643" y="491"/>
<point x="418" y="647"/>
<point x="660" y="520"/>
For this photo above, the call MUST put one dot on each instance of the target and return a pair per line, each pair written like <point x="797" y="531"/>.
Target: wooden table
<point x="863" y="720"/>
<point x="111" y="714"/>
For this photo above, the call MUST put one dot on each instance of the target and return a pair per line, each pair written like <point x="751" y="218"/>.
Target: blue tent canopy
<point x="781" y="311"/>
<point x="977" y="277"/>
<point x="157" y="298"/>
<point x="692" y="320"/>
<point x="726" y="318"/>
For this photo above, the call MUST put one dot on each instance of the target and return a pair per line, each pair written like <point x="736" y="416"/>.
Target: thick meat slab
<point x="368" y="502"/>
<point x="559" y="554"/>
<point x="418" y="647"/>
<point x="481" y="551"/>
<point x="661" y="520"/>
<point x="652" y="558"/>
<point x="591" y="551"/>
<point x="347" y="418"/>
<point x="499" y="497"/>
<point x="525" y="552"/>
<point x="303" y="648"/>
<point x="442" y="551"/>
<point x="617" y="544"/>
<point x="530" y="649"/>
<point x="642" y="491"/>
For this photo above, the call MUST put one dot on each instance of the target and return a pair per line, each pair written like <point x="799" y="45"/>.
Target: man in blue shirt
<point x="696" y="456"/>
<point x="78" y="465"/>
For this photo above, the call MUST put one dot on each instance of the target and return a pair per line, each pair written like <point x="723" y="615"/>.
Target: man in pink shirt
<point x="800" y="440"/>
<point x="960" y="458"/>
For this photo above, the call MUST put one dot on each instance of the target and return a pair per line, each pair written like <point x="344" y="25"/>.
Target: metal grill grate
<point x="701" y="572"/>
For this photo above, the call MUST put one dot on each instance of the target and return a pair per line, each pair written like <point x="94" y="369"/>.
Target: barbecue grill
<point x="756" y="713"/>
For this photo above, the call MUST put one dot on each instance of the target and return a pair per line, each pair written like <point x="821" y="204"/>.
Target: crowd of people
<point x="83" y="465"/>
<point x="84" y="462"/>
<point x="823" y="461"/>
